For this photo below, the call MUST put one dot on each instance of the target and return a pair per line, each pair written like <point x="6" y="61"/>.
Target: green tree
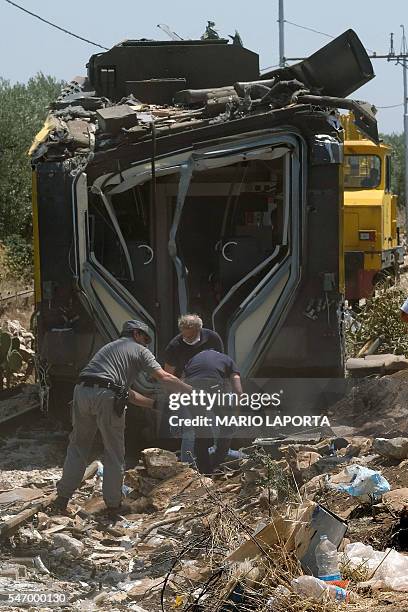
<point x="398" y="164"/>
<point x="23" y="108"/>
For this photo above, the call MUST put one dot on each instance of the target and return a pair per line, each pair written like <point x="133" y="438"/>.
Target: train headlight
<point x="367" y="235"/>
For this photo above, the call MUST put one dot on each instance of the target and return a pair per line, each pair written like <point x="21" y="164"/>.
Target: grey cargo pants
<point x="92" y="409"/>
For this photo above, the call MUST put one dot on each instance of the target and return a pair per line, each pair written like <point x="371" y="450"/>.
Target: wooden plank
<point x="16" y="295"/>
<point x="9" y="526"/>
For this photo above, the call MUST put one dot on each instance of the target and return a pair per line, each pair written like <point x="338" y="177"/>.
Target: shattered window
<point x="132" y="212"/>
<point x="232" y="221"/>
<point x="362" y="171"/>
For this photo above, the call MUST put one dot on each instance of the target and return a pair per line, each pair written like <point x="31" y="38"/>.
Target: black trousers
<point x="208" y="462"/>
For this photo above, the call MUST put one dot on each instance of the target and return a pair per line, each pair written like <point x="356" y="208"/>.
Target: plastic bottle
<point x="326" y="559"/>
<point x="309" y="586"/>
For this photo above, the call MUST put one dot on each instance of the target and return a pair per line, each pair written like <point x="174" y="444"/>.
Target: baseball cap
<point x="135" y="325"/>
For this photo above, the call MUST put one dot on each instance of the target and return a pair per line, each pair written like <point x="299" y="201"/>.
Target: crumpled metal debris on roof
<point x="80" y="122"/>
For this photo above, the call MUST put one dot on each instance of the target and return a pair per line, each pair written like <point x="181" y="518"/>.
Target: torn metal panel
<point x="363" y="112"/>
<point x="337" y="69"/>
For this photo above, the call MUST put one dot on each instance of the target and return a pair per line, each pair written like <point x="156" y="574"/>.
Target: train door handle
<point x="227" y="244"/>
<point x="150" y="251"/>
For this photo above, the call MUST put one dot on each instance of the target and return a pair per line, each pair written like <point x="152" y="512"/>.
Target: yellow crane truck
<point x="372" y="246"/>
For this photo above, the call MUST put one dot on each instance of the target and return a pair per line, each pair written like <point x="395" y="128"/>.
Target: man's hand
<point x="171" y="382"/>
<point x="169" y="368"/>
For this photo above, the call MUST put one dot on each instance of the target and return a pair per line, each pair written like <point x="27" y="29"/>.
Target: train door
<point x="237" y="238"/>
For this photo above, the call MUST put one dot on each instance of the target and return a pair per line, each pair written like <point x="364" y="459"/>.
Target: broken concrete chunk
<point x="139" y="481"/>
<point x="71" y="545"/>
<point x="397" y="499"/>
<point x="114" y="118"/>
<point x="306" y="458"/>
<point x="314" y="486"/>
<point x="163" y="492"/>
<point x="393" y="448"/>
<point x="161" y="463"/>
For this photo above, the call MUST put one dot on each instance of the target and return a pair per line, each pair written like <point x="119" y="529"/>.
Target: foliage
<point x="18" y="257"/>
<point x="23" y="108"/>
<point x="380" y="317"/>
<point x="277" y="478"/>
<point x="398" y="164"/>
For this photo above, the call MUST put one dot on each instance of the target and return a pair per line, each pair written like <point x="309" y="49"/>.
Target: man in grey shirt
<point x="98" y="403"/>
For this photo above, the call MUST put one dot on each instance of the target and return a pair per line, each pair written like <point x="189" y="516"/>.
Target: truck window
<point x="388" y="170"/>
<point x="362" y="171"/>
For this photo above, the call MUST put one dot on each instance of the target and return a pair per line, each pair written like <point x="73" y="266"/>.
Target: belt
<point x="94" y="381"/>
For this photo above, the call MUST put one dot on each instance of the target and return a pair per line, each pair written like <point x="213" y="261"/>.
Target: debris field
<point x="233" y="542"/>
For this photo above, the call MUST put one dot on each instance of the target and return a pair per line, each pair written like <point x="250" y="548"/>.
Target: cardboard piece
<point x="323" y="522"/>
<point x="281" y="531"/>
<point x="299" y="532"/>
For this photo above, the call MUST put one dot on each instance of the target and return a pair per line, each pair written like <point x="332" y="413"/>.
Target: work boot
<point x="59" y="505"/>
<point x="114" y="512"/>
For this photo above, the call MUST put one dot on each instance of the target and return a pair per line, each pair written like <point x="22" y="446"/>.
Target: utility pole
<point x="404" y="74"/>
<point x="399" y="58"/>
<point x="281" y="21"/>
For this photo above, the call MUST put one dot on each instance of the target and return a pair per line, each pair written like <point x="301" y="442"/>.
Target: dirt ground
<point x="182" y="527"/>
<point x="171" y="552"/>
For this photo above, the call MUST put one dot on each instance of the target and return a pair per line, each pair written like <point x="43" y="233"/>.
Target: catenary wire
<point x="56" y="26"/>
<point x="297" y="25"/>
<point x="391" y="106"/>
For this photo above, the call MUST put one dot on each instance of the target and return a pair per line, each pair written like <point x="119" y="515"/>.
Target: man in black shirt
<point x="213" y="372"/>
<point x="192" y="339"/>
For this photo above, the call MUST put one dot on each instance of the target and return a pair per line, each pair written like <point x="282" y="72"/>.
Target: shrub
<point x="18" y="258"/>
<point x="381" y="317"/>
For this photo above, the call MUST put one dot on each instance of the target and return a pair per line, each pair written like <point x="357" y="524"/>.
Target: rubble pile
<point x="243" y="539"/>
<point x="375" y="407"/>
<point x="82" y="124"/>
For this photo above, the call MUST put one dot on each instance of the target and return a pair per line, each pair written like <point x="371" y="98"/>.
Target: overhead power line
<point x="392" y="106"/>
<point x="297" y="25"/>
<point x="309" y="29"/>
<point x="56" y="26"/>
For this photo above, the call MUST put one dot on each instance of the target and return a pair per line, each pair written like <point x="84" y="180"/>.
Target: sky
<point x="28" y="46"/>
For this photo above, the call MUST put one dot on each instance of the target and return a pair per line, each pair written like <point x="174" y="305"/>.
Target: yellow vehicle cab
<point x="372" y="247"/>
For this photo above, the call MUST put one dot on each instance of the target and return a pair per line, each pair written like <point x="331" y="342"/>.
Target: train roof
<point x="140" y="87"/>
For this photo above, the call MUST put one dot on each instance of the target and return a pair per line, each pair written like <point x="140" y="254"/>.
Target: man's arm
<point x="140" y="400"/>
<point x="235" y="380"/>
<point x="169" y="368"/>
<point x="171" y="382"/>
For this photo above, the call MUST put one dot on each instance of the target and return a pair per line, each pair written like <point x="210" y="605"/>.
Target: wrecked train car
<point x="174" y="178"/>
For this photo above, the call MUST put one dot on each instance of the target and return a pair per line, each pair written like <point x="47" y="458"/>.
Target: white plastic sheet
<point x="392" y="574"/>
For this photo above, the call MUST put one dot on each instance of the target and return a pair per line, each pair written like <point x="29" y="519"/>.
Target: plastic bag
<point x="360" y="481"/>
<point x="391" y="574"/>
<point x="309" y="586"/>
